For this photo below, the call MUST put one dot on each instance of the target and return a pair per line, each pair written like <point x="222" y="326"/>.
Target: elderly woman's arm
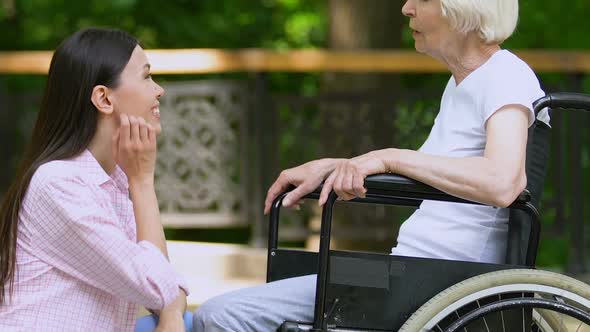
<point x="496" y="178"/>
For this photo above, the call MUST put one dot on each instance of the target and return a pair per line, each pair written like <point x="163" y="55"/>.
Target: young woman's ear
<point x="100" y="99"/>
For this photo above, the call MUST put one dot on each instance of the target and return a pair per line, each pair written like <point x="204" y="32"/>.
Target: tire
<point x="549" y="320"/>
<point x="525" y="281"/>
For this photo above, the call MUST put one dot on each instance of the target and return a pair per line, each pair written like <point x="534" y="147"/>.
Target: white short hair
<point x="494" y="20"/>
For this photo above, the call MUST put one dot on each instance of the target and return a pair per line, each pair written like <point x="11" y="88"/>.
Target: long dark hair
<point x="66" y="122"/>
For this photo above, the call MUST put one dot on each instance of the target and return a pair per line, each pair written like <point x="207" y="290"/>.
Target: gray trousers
<point x="258" y="309"/>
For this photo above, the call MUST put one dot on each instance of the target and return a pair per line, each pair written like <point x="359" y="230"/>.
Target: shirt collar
<point x="96" y="174"/>
<point x="120" y="178"/>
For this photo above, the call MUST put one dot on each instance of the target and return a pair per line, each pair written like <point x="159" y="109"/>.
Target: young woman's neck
<point x="101" y="145"/>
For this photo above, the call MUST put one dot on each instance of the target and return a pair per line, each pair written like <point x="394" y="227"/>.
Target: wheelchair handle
<point x="563" y="100"/>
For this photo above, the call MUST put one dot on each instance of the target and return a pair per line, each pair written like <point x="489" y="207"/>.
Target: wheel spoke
<point x="523" y="318"/>
<point x="502" y="315"/>
<point x="484" y="319"/>
<point x="459" y="316"/>
<point x="523" y="321"/>
<point x="503" y="324"/>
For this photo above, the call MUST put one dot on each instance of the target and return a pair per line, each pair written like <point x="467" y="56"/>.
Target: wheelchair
<point x="364" y="292"/>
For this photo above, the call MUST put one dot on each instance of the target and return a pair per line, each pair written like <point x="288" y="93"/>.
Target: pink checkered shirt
<point x="79" y="265"/>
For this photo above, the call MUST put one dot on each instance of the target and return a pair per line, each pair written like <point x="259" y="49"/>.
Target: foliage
<point x="42" y="24"/>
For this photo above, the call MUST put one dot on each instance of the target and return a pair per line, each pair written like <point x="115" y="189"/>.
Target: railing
<point x="207" y="61"/>
<point x="566" y="201"/>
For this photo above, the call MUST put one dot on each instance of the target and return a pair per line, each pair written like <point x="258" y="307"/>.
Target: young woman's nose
<point x="160" y="90"/>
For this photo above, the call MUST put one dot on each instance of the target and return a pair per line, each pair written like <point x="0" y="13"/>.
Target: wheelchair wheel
<point x="508" y="300"/>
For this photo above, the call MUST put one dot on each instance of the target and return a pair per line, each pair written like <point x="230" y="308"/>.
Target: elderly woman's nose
<point x="408" y="9"/>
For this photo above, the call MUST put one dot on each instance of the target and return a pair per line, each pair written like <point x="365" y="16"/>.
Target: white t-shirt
<point x="465" y="231"/>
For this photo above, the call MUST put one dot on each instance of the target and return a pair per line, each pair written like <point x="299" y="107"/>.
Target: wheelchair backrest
<point x="519" y="222"/>
<point x="537" y="156"/>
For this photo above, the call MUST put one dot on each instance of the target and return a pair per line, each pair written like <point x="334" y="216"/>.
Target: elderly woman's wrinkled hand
<point x="348" y="179"/>
<point x="306" y="178"/>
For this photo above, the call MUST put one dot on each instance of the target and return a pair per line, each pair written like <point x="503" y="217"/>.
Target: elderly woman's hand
<point x="348" y="179"/>
<point x="306" y="178"/>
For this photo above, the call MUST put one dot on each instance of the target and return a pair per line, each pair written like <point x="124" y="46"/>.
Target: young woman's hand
<point x="306" y="178"/>
<point x="172" y="316"/>
<point x="171" y="325"/>
<point x="134" y="148"/>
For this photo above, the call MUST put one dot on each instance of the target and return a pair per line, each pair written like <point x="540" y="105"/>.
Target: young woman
<point x="81" y="243"/>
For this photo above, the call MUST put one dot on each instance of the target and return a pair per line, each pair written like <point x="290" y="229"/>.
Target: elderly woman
<point x="475" y="150"/>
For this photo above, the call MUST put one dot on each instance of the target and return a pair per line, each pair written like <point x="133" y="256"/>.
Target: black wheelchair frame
<point x="377" y="292"/>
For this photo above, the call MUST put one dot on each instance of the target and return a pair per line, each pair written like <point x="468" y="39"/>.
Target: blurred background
<point x="254" y="87"/>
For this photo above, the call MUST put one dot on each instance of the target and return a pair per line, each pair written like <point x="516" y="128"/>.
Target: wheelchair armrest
<point x="387" y="185"/>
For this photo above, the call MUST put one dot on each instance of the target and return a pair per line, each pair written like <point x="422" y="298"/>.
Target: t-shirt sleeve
<point x="514" y="84"/>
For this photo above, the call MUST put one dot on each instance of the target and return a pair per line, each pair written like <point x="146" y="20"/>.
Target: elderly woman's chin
<point x="420" y="47"/>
